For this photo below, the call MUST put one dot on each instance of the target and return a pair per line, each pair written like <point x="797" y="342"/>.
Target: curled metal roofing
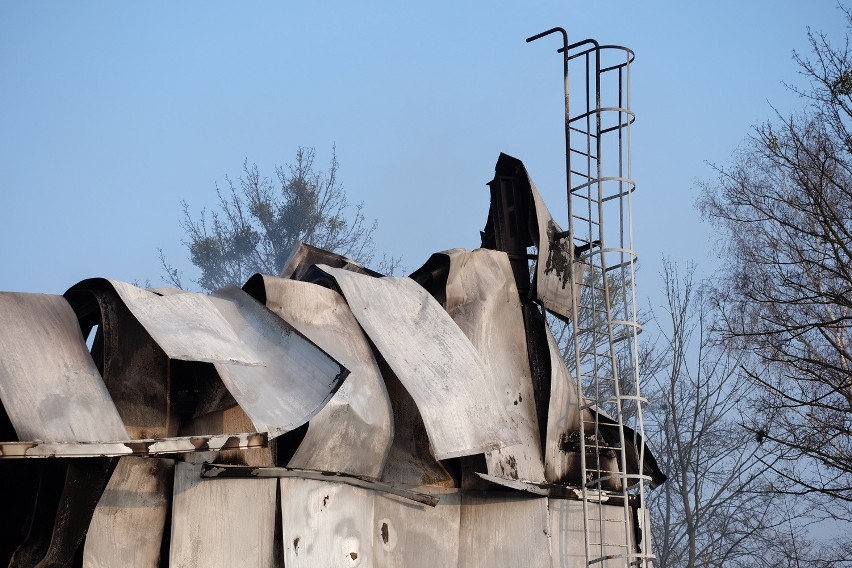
<point x="325" y="417"/>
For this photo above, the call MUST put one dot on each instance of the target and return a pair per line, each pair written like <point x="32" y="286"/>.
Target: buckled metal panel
<point x="49" y="384"/>
<point x="410" y="460"/>
<point x="297" y="378"/>
<point x="223" y="522"/>
<point x="353" y="432"/>
<point x="433" y="359"/>
<point x="186" y="326"/>
<point x="482" y="298"/>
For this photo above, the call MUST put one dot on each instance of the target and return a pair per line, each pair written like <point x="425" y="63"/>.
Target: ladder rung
<point x="580" y="130"/>
<point x="622" y="337"/>
<point x="581" y="174"/>
<point x="583" y="154"/>
<point x="599" y="447"/>
<point x="604" y="424"/>
<point x="592" y="287"/>
<point x="620" y="265"/>
<point x="605" y="558"/>
<point x="600" y="480"/>
<point x="585" y="220"/>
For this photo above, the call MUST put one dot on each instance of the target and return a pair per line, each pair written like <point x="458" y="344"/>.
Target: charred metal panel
<point x="228" y="421"/>
<point x="128" y="524"/>
<point x="503" y="530"/>
<point x="416" y="537"/>
<point x="561" y="447"/>
<point x="518" y="218"/>
<point x="481" y="297"/>
<point x="227" y="522"/>
<point x="633" y="443"/>
<point x="63" y="512"/>
<point x="49" y="385"/>
<point x="536" y="326"/>
<point x="29" y="508"/>
<point x="410" y="459"/>
<point x="297" y="379"/>
<point x="20" y="480"/>
<point x="554" y="490"/>
<point x="511" y="225"/>
<point x="353" y="432"/>
<point x="304" y="256"/>
<point x="326" y="524"/>
<point x="433" y="359"/>
<point x="456" y="441"/>
<point x="136" y="371"/>
<point x="557" y="265"/>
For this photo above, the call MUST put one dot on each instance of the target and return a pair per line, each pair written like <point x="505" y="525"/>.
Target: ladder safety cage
<point x="600" y="190"/>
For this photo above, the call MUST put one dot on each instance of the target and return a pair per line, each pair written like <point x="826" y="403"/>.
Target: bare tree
<point x="784" y="211"/>
<point x="259" y="220"/>
<point x="711" y="511"/>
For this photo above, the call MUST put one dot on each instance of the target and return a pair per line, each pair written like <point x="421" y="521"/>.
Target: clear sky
<point x="111" y="113"/>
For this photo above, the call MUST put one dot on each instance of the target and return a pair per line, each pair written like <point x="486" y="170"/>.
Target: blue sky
<point x="111" y="113"/>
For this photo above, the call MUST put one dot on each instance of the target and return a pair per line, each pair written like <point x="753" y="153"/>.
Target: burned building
<point x="332" y="416"/>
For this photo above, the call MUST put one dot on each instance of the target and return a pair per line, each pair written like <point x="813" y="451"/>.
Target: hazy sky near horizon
<point x="111" y="113"/>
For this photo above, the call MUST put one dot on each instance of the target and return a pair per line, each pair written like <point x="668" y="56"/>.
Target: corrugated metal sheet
<point x="135" y="369"/>
<point x="304" y="257"/>
<point x="410" y="460"/>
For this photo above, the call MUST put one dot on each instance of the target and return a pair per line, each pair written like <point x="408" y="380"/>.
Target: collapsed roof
<point x="326" y="416"/>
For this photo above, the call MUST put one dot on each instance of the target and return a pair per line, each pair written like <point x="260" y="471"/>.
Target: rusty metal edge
<point x="148" y="447"/>
<point x="213" y="471"/>
<point x="554" y="490"/>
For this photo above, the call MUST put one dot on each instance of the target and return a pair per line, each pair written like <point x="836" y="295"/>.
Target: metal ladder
<point x="599" y="194"/>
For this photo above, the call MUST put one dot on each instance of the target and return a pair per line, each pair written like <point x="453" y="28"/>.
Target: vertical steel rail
<point x="572" y="239"/>
<point x="604" y="313"/>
